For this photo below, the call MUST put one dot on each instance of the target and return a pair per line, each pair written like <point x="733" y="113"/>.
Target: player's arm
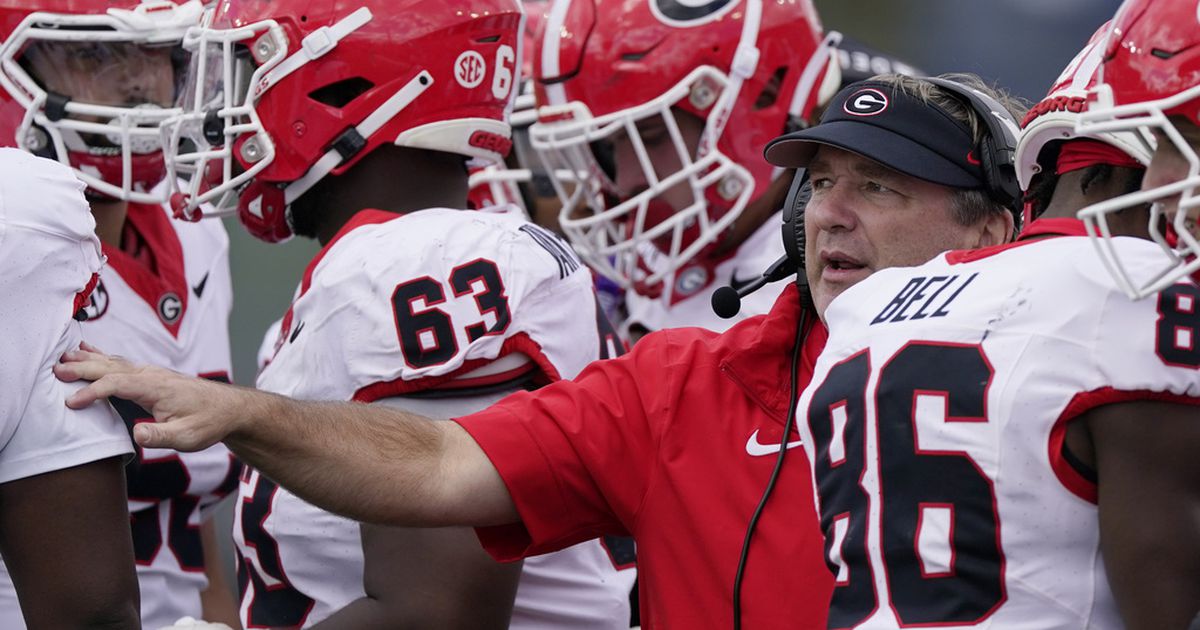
<point x="216" y="600"/>
<point x="428" y="578"/>
<point x="65" y="540"/>
<point x="419" y="578"/>
<point x="402" y="468"/>
<point x="1149" y="501"/>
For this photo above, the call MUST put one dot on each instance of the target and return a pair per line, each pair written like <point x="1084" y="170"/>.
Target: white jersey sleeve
<point x="172" y="313"/>
<point x="935" y="423"/>
<point x="49" y="256"/>
<point x="1152" y="345"/>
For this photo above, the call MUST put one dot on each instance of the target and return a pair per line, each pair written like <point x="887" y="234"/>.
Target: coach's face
<point x="864" y="217"/>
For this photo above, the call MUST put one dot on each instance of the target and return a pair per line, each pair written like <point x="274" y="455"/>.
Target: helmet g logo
<point x="865" y="102"/>
<point x="469" y="69"/>
<point x="689" y="12"/>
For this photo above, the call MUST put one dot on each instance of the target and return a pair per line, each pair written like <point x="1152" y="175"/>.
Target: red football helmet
<point x="748" y="69"/>
<point x="1053" y="119"/>
<point x="87" y="82"/>
<point x="282" y="93"/>
<point x="1151" y="71"/>
<point x="499" y="184"/>
<point x="497" y="187"/>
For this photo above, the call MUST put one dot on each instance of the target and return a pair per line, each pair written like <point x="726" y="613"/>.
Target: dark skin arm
<point x="217" y="601"/>
<point x="65" y="539"/>
<point x="419" y="577"/>
<point x="428" y="578"/>
<point x="1145" y="456"/>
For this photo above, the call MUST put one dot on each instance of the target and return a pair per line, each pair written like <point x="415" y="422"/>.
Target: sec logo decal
<point x="469" y="69"/>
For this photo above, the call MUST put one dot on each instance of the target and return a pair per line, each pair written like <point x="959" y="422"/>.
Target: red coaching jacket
<point x="673" y="444"/>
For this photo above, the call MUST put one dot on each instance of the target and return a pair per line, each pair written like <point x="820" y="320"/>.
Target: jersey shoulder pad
<point x="438" y="242"/>
<point x="44" y="196"/>
<point x="439" y="294"/>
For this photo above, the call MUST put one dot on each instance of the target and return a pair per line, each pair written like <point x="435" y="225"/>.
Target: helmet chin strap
<point x="745" y="61"/>
<point x="316" y="44"/>
<point x="355" y="138"/>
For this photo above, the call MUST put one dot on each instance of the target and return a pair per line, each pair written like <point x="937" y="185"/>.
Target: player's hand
<point x="190" y="413"/>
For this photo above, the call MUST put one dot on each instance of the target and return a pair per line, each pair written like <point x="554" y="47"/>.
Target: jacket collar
<point x="760" y="352"/>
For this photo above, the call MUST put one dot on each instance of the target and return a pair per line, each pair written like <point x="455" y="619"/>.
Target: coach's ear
<point x="996" y="229"/>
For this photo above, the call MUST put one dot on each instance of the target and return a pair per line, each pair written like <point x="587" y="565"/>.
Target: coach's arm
<point x="367" y="462"/>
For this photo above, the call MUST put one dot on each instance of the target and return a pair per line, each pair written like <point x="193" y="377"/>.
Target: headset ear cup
<point x="998" y="148"/>
<point x="801" y="202"/>
<point x="1001" y="180"/>
<point x="793" y="209"/>
<point x="793" y="230"/>
<point x="988" y="162"/>
<point x="802" y="273"/>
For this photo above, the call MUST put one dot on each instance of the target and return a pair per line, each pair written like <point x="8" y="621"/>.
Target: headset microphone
<point x="727" y="301"/>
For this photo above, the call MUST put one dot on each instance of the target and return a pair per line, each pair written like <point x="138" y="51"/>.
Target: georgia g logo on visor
<point x="865" y="102"/>
<point x="689" y="12"/>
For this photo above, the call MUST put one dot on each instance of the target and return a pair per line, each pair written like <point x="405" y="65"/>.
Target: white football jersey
<point x="395" y="306"/>
<point x="690" y="302"/>
<point x="935" y="423"/>
<point x="50" y="258"/>
<point x="175" y="315"/>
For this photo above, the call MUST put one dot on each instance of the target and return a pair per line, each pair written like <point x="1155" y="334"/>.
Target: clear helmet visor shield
<point x="108" y="73"/>
<point x="636" y="185"/>
<point x="214" y="111"/>
<point x="1174" y="207"/>
<point x="100" y="103"/>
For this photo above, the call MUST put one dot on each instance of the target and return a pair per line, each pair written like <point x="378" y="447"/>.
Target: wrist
<point x="254" y="408"/>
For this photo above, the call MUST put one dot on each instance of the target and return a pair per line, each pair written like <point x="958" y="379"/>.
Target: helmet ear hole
<point x="341" y="93"/>
<point x="770" y="92"/>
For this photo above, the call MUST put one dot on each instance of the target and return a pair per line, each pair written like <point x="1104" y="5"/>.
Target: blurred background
<point x="1020" y="45"/>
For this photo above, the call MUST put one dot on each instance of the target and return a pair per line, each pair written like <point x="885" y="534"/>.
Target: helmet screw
<point x="702" y="95"/>
<point x="251" y="150"/>
<point x="36" y="139"/>
<point x="299" y="128"/>
<point x="264" y="48"/>
<point x="729" y="188"/>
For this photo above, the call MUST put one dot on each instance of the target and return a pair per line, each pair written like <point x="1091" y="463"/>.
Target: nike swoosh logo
<point x="199" y="288"/>
<point x="738" y="283"/>
<point x="754" y="448"/>
<point x="296" y="333"/>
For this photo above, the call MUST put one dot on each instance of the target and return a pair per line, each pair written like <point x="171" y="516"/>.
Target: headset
<point x="997" y="150"/>
<point x="997" y="155"/>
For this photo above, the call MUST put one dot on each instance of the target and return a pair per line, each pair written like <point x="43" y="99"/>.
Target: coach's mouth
<point x="840" y="268"/>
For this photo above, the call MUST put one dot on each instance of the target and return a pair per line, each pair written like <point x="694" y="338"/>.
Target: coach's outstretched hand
<point x="190" y="413"/>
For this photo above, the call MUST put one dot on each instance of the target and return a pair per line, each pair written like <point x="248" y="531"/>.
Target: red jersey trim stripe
<point x="520" y="342"/>
<point x="1083" y="402"/>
